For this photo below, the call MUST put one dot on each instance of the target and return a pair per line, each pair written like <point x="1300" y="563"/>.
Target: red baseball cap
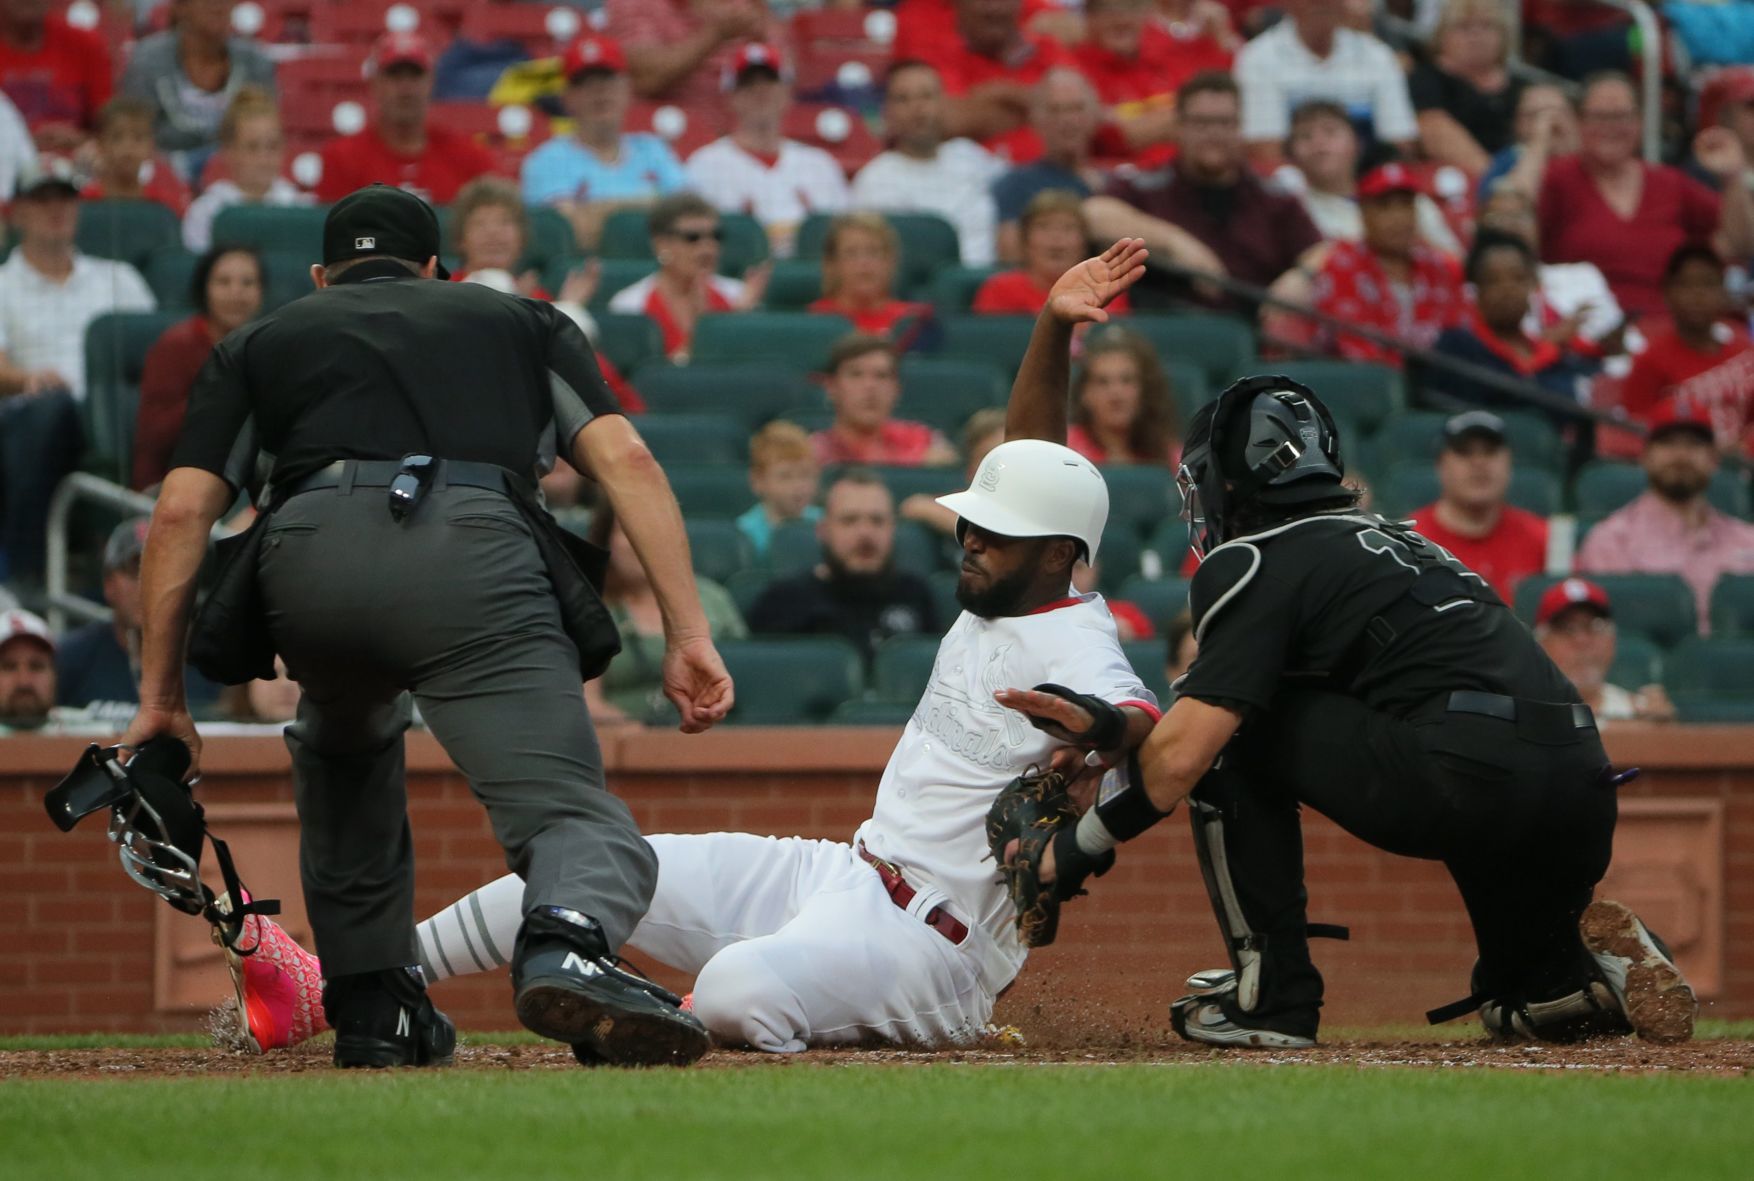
<point x="1735" y="85"/>
<point x="754" y="56"/>
<point x="593" y="52"/>
<point x="1677" y="414"/>
<point x="399" y="49"/>
<point x="1388" y="178"/>
<point x="1569" y="593"/>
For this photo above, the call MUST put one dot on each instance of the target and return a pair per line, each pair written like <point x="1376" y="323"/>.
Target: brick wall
<point x="81" y="948"/>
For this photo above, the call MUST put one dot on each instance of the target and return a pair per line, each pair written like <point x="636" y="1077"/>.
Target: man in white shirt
<point x="926" y="173"/>
<point x="757" y="171"/>
<point x="1310" y="55"/>
<point x="18" y="151"/>
<point x="49" y="293"/>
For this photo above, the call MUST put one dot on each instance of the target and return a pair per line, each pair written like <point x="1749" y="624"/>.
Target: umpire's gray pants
<point x="455" y="606"/>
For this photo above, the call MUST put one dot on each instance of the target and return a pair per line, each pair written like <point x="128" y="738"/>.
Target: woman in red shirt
<point x="859" y="260"/>
<point x="1054" y="236"/>
<point x="1122" y="411"/>
<point x="227" y="291"/>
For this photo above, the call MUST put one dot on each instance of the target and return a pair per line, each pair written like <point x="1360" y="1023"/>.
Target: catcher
<point x="1348" y="664"/>
<point x="905" y="933"/>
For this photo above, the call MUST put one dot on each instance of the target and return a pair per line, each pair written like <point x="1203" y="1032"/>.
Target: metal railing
<point x="77" y="487"/>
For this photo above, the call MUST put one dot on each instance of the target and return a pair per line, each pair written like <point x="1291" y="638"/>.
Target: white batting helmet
<point x="1031" y="488"/>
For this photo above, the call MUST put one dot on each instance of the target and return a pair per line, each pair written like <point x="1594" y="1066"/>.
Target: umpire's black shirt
<point x="382" y="364"/>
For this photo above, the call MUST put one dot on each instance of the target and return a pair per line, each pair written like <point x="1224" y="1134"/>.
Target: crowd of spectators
<point x="1428" y="197"/>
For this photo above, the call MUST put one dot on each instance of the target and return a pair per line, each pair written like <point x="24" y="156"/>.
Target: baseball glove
<point x="1033" y="810"/>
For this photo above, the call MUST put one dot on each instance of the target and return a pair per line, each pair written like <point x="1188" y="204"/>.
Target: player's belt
<point x="903" y="895"/>
<point x="348" y="474"/>
<point x="1549" y="720"/>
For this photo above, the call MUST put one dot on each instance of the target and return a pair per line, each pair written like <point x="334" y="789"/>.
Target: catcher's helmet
<point x="1032" y="488"/>
<point x="1266" y="440"/>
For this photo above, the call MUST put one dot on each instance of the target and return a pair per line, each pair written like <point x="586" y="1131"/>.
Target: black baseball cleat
<point x="1209" y="1014"/>
<point x="386" y="1019"/>
<point x="570" y="988"/>
<point x="1647" y="987"/>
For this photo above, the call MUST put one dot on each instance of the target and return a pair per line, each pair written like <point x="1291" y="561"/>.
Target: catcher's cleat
<point x="278" y="989"/>
<point x="386" y="1019"/>
<point x="1646" y="985"/>
<point x="568" y="987"/>
<point x="1212" y="981"/>
<point x="1210" y="1017"/>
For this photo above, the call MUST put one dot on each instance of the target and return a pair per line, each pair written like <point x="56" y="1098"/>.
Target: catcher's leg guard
<point x="1243" y="943"/>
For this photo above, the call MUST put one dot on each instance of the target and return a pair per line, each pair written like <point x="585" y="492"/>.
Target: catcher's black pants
<point x="455" y="607"/>
<point x="1524" y="828"/>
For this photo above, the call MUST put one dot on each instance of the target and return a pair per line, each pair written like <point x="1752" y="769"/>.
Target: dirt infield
<point x="1721" y="1057"/>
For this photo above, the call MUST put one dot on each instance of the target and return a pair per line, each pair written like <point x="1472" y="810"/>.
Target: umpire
<point x="402" y="551"/>
<point x="1348" y="664"/>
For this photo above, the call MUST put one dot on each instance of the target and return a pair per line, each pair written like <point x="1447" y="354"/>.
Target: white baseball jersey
<point x="779" y="192"/>
<point x="961" y="747"/>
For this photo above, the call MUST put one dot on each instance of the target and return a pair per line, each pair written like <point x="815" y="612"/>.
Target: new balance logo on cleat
<point x="403" y="1027"/>
<point x="574" y="962"/>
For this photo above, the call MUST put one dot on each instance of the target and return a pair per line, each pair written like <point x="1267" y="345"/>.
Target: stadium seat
<point x="791" y="680"/>
<point x="628" y="340"/>
<point x="1712" y="680"/>
<point x="796" y="338"/>
<point x="1637" y="661"/>
<point x="928" y="244"/>
<point x="1189" y="387"/>
<point x="954" y="288"/>
<point x="625" y="236"/>
<point x="297" y="229"/>
<point x="867" y="712"/>
<point x="527" y="24"/>
<point x="1366" y="395"/>
<point x="718" y="548"/>
<point x="945" y="391"/>
<point x="695" y="438"/>
<point x="1660" y="606"/>
<point x="710" y="489"/>
<point x="116" y="345"/>
<point x="837" y="130"/>
<point x="902" y="666"/>
<point x="1149" y="659"/>
<point x="1167" y="547"/>
<point x="904" y="482"/>
<point x="1604" y="486"/>
<point x="943" y="585"/>
<point x="1408" y="486"/>
<point x="1140" y="497"/>
<point x="1117" y="556"/>
<point x="1220" y="345"/>
<point x="1534" y="440"/>
<point x="755" y="393"/>
<point x="746" y="586"/>
<point x="127" y="231"/>
<point x="794" y="285"/>
<point x="289" y="276"/>
<point x="998" y="341"/>
<point x="1158" y="598"/>
<point x="169" y="271"/>
<point x="1732" y="605"/>
<point x="613" y="275"/>
<point x="1412" y="437"/>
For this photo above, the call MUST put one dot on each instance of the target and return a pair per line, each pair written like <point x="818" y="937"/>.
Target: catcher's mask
<point x="158" y="829"/>
<point x="1266" y="440"/>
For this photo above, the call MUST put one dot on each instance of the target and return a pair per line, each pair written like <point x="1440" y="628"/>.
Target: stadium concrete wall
<point x="82" y="948"/>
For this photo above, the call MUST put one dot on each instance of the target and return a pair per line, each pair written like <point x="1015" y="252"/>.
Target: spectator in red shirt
<point x="1390" y="280"/>
<point x="58" y="76"/>
<point x="1055" y="239"/>
<point x="1702" y="359"/>
<point x="686" y="238"/>
<point x="1137" y="61"/>
<point x="1122" y="411"/>
<point x="226" y="290"/>
<point x="1606" y="205"/>
<point x="988" y="67"/>
<point x="860" y="255"/>
<point x="1498" y="541"/>
<point x="128" y="168"/>
<point x="863" y="385"/>
<point x="677" y="50"/>
<point x="401" y="147"/>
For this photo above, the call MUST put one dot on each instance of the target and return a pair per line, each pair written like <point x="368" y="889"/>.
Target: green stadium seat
<point x="791" y="680"/>
<point x="169" y="272"/>
<point x="625" y="237"/>
<point x="943" y="585"/>
<point x="1365" y="394"/>
<point x="794" y="547"/>
<point x="294" y="228"/>
<point x="755" y="393"/>
<point x="1220" y="345"/>
<point x="1158" y="598"/>
<point x="1140" y="497"/>
<point x="1168" y="546"/>
<point x="998" y="341"/>
<point x="954" y="288"/>
<point x="1637" y="661"/>
<point x="798" y="339"/>
<point x="127" y="231"/>
<point x="1660" y="606"/>
<point x="1534" y="440"/>
<point x="1712" y="680"/>
<point x="1604" y="486"/>
<point x="695" y="438"/>
<point x="718" y="548"/>
<point x="945" y="391"/>
<point x="614" y="275"/>
<point x="1149" y="658"/>
<point x="866" y="712"/>
<point x="711" y="489"/>
<point x="1189" y="387"/>
<point x="794" y="285"/>
<point x="902" y="666"/>
<point x="116" y="345"/>
<point x="928" y="244"/>
<point x="1408" y="486"/>
<point x="1732" y="605"/>
<point x="628" y="340"/>
<point x="746" y="586"/>
<point x="1117" y="556"/>
<point x="289" y="277"/>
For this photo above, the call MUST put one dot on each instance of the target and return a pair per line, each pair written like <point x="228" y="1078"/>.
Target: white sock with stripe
<point x="474" y="933"/>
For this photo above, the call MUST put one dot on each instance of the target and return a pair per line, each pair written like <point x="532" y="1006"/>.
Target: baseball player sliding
<point x="906" y="932"/>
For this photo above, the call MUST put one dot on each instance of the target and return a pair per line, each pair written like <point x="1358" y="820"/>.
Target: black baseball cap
<point x="1474" y="424"/>
<point x="381" y="219"/>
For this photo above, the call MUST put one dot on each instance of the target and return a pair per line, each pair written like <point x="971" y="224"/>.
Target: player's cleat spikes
<point x="278" y="989"/>
<point x="1208" y="1017"/>
<point x="1648" y="987"/>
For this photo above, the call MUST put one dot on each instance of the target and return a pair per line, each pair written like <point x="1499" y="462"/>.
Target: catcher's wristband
<point x="1120" y="816"/>
<point x="1108" y="722"/>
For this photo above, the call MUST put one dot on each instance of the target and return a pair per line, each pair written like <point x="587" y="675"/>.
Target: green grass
<point x="940" y="1121"/>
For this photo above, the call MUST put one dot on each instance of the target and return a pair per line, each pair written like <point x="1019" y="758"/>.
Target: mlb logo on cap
<point x="365" y="243"/>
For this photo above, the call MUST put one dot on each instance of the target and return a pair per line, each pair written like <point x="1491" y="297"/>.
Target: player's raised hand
<point x="1058" y="717"/>
<point x="1082" y="294"/>
<point x="697" y="682"/>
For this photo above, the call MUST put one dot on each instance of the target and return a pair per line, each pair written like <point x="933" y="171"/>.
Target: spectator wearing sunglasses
<point x="686" y="238"/>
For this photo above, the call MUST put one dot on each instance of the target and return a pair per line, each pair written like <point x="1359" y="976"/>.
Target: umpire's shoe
<point x="1209" y="1014"/>
<point x="570" y="988"/>
<point x="1635" y="965"/>
<point x="385" y="1019"/>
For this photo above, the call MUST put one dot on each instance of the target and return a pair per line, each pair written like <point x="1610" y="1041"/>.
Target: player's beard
<point x="1003" y="597"/>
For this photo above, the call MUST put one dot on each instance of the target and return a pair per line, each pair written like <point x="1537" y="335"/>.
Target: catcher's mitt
<point x="1032" y="810"/>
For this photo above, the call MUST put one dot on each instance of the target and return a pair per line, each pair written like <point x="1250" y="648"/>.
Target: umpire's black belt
<point x="1543" y="721"/>
<point x="347" y="474"/>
